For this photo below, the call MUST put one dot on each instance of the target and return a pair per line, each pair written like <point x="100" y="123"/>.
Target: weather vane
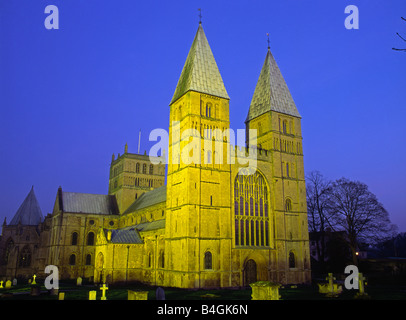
<point x="200" y="16"/>
<point x="268" y="40"/>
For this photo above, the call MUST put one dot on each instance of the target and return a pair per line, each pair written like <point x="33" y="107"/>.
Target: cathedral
<point x="208" y="218"/>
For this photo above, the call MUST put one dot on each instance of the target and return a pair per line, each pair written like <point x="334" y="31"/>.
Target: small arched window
<point x="208" y="264"/>
<point x="74" y="241"/>
<point x="90" y="239"/>
<point x="9" y="247"/>
<point x="288" y="205"/>
<point x="88" y="260"/>
<point x="285" y="126"/>
<point x="208" y="109"/>
<point x="292" y="262"/>
<point x="137" y="168"/>
<point x="150" y="259"/>
<point x="162" y="260"/>
<point x="151" y="169"/>
<point x="72" y="260"/>
<point x="209" y="157"/>
<point x="144" y="168"/>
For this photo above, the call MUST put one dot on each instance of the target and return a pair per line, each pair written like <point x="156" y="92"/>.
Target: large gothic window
<point x="251" y="210"/>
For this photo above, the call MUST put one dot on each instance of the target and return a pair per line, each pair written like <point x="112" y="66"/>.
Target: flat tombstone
<point x="160" y="294"/>
<point x="137" y="295"/>
<point x="92" y="295"/>
<point x="265" y="290"/>
<point x="8" y="284"/>
<point x="14" y="282"/>
<point x="79" y="281"/>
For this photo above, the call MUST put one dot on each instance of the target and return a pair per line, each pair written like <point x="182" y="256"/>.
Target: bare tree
<point x="356" y="210"/>
<point x="317" y="191"/>
<point x="404" y="50"/>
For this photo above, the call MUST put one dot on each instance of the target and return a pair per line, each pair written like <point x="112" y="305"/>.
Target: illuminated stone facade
<point x="220" y="220"/>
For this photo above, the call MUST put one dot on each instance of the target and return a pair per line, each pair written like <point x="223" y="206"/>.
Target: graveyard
<point x="329" y="288"/>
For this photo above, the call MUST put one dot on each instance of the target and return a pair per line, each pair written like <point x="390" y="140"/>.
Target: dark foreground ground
<point x="300" y="292"/>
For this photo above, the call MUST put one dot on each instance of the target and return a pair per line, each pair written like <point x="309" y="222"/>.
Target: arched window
<point x="251" y="196"/>
<point x="162" y="260"/>
<point x="25" y="257"/>
<point x="9" y="247"/>
<point x="208" y="264"/>
<point x="72" y="260"/>
<point x="150" y="260"/>
<point x="292" y="262"/>
<point x="74" y="241"/>
<point x="144" y="168"/>
<point x="137" y="168"/>
<point x="88" y="260"/>
<point x="208" y="109"/>
<point x="285" y="126"/>
<point x="151" y="169"/>
<point x="90" y="239"/>
<point x="208" y="157"/>
<point x="288" y="205"/>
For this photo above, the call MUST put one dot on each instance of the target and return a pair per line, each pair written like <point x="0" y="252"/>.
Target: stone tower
<point x="198" y="230"/>
<point x="274" y="115"/>
<point x="131" y="175"/>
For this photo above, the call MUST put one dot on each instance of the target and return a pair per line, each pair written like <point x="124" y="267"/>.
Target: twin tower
<point x="229" y="221"/>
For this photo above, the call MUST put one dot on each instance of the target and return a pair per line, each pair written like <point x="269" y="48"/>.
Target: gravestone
<point x="265" y="290"/>
<point x="361" y="287"/>
<point x="137" y="295"/>
<point x="104" y="288"/>
<point x="92" y="295"/>
<point x="61" y="296"/>
<point x="33" y="279"/>
<point x="330" y="289"/>
<point x="1" y="284"/>
<point x="160" y="294"/>
<point x="14" y="282"/>
<point x="8" y="284"/>
<point x="79" y="281"/>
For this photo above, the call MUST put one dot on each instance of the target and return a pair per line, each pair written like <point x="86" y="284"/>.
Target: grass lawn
<point x="310" y="292"/>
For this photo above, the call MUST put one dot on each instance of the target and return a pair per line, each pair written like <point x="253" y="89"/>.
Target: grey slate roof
<point x="271" y="92"/>
<point x="148" y="199"/>
<point x="89" y="203"/>
<point x="200" y="72"/>
<point x="132" y="234"/>
<point x="29" y="213"/>
<point x="126" y="235"/>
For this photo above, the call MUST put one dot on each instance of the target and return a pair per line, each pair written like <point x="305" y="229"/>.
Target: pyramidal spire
<point x="29" y="212"/>
<point x="271" y="92"/>
<point x="200" y="72"/>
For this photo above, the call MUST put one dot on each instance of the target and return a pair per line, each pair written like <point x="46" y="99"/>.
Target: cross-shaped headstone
<point x="331" y="279"/>
<point x="104" y="288"/>
<point x="361" y="283"/>
<point x="33" y="279"/>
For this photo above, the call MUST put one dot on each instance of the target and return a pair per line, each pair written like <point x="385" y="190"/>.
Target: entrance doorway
<point x="250" y="272"/>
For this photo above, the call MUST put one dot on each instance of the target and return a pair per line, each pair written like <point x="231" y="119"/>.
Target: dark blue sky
<point x="72" y="97"/>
